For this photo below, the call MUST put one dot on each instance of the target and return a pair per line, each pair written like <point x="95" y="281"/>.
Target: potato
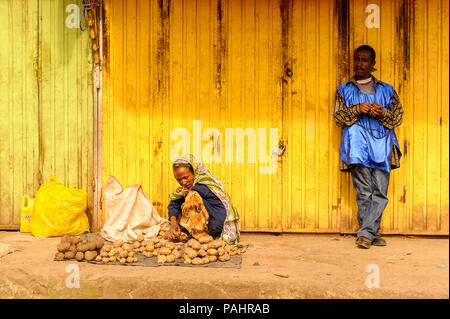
<point x="150" y="248"/>
<point x="84" y="239"/>
<point x="136" y="244"/>
<point x="170" y="245"/>
<point x="73" y="248"/>
<point x="131" y="254"/>
<point x="212" y="251"/>
<point x="170" y="258"/>
<point x="212" y="258"/>
<point x="155" y="252"/>
<point x="197" y="261"/>
<point x="90" y="254"/>
<point x="205" y="239"/>
<point x="220" y="251"/>
<point x="157" y="245"/>
<point x="69" y="255"/>
<point x="135" y="259"/>
<point x="243" y="250"/>
<point x="112" y="259"/>
<point x="123" y="254"/>
<point x="155" y="240"/>
<point x="111" y="253"/>
<point x="105" y="260"/>
<point x="130" y="259"/>
<point x="127" y="247"/>
<point x="192" y="253"/>
<point x="190" y="241"/>
<point x="59" y="256"/>
<point x="224" y="257"/>
<point x="142" y="249"/>
<point x="160" y="237"/>
<point x="104" y="254"/>
<point x="123" y="260"/>
<point x="118" y="243"/>
<point x="228" y="248"/>
<point x="66" y="239"/>
<point x="177" y="247"/>
<point x="107" y="248"/>
<point x="81" y="247"/>
<point x="202" y="253"/>
<point x="216" y="244"/>
<point x="196" y="245"/>
<point x="98" y="258"/>
<point x="92" y="245"/>
<point x="136" y="250"/>
<point x="164" y="251"/>
<point x="63" y="247"/>
<point x="176" y="253"/>
<point x="205" y="260"/>
<point x="187" y="261"/>
<point x="79" y="255"/>
<point x="233" y="252"/>
<point x="162" y="233"/>
<point x="162" y="259"/>
<point x="76" y="240"/>
<point x="140" y="238"/>
<point x="99" y="242"/>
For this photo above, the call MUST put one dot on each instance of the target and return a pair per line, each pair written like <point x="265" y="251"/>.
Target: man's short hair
<point x="367" y="48"/>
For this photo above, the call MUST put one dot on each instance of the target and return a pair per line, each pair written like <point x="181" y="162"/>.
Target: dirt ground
<point x="318" y="266"/>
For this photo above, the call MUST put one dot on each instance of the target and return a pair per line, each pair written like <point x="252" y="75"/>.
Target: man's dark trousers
<point x="371" y="185"/>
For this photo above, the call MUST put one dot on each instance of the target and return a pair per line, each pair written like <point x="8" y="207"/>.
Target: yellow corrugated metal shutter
<point x="45" y="102"/>
<point x="203" y="70"/>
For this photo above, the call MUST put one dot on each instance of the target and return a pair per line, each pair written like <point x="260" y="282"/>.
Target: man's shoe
<point x="363" y="242"/>
<point x="379" y="242"/>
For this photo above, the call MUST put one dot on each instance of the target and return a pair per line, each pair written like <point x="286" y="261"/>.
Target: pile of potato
<point x="207" y="250"/>
<point x="121" y="252"/>
<point x="79" y="247"/>
<point x="196" y="252"/>
<point x="167" y="253"/>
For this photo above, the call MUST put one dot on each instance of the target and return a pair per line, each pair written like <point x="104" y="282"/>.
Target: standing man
<point x="368" y="110"/>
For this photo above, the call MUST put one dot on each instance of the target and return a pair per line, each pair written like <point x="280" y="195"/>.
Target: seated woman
<point x="201" y="204"/>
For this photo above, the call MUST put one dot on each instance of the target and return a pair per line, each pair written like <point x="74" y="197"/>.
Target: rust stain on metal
<point x="157" y="148"/>
<point x="403" y="23"/>
<point x="105" y="41"/>
<point x="403" y="31"/>
<point x="402" y="198"/>
<point x="342" y="15"/>
<point x="220" y="48"/>
<point x="338" y="205"/>
<point x="163" y="45"/>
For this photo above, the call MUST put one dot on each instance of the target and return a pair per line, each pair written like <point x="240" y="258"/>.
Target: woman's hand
<point x="174" y="230"/>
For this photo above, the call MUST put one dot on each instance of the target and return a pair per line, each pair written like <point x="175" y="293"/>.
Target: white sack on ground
<point x="129" y="213"/>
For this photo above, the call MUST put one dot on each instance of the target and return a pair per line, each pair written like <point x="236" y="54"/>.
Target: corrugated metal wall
<point x="45" y="102"/>
<point x="181" y="67"/>
<point x="19" y="141"/>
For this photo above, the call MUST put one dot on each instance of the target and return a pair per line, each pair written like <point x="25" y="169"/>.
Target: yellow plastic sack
<point x="59" y="210"/>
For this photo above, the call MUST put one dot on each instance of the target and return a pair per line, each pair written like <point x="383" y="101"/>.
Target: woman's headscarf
<point x="231" y="227"/>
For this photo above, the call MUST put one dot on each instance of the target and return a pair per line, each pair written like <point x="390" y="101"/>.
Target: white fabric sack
<point x="129" y="213"/>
